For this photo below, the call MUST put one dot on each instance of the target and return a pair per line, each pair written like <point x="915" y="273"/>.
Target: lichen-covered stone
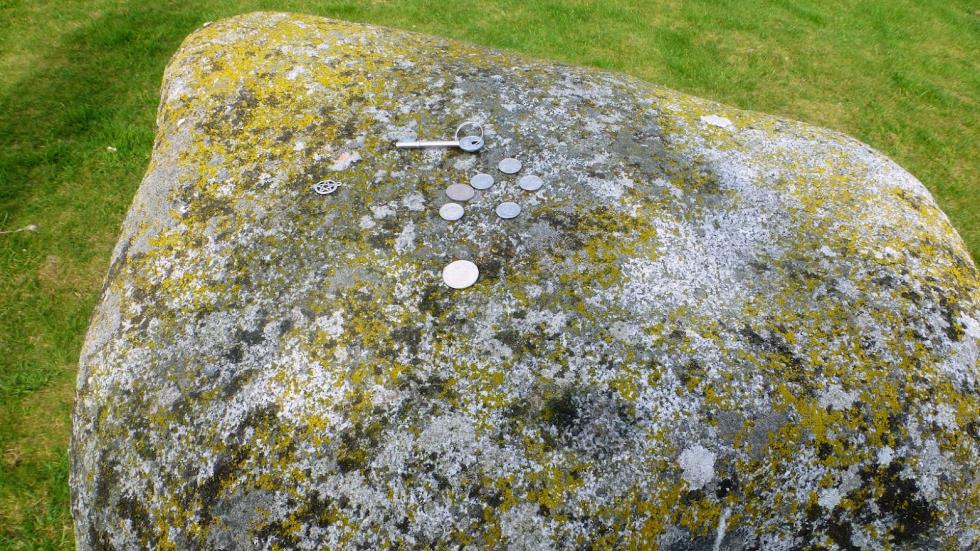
<point x="709" y="329"/>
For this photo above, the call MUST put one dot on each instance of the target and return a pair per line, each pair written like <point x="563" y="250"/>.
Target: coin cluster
<point x="460" y="274"/>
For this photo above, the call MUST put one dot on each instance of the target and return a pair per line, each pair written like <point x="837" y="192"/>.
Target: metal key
<point x="470" y="143"/>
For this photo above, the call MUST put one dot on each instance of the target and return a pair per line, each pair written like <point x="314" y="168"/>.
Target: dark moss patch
<point x="914" y="516"/>
<point x="408" y="336"/>
<point x="235" y="354"/>
<point x="99" y="539"/>
<point x="514" y="340"/>
<point x="841" y="531"/>
<point x="252" y="337"/>
<point x="433" y="301"/>
<point x="359" y="443"/>
<point x="973" y="429"/>
<point x="725" y="487"/>
<point x="824" y="450"/>
<point x="490" y="267"/>
<point x="692" y="370"/>
<point x="954" y="330"/>
<point x="777" y="346"/>
<point x="561" y="412"/>
<point x="106" y="482"/>
<point x="139" y="518"/>
<point x="225" y="466"/>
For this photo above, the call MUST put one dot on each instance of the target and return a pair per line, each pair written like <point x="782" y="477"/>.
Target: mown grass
<point x="77" y="78"/>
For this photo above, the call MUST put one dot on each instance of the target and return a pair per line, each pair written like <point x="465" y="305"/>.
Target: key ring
<point x="470" y="143"/>
<point x="469" y="123"/>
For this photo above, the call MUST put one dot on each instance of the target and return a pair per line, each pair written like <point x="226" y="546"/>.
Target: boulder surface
<point x="709" y="328"/>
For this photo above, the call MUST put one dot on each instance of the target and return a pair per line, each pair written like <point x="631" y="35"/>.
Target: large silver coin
<point x="451" y="211"/>
<point x="530" y="182"/>
<point x="509" y="165"/>
<point x="481" y="181"/>
<point x="460" y="274"/>
<point x="460" y="192"/>
<point x="508" y="209"/>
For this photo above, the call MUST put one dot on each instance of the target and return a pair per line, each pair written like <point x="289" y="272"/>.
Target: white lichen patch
<point x="835" y="397"/>
<point x="717" y="120"/>
<point x="698" y="464"/>
<point x="406" y="239"/>
<point x="345" y="160"/>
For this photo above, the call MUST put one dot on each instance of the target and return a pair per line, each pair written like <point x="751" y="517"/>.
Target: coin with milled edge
<point x="509" y="165"/>
<point x="451" y="211"/>
<point x="460" y="192"/>
<point x="508" y="209"/>
<point x="530" y="182"/>
<point x="460" y="274"/>
<point x="481" y="181"/>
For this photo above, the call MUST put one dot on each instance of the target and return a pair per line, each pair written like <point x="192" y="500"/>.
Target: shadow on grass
<point x="80" y="92"/>
<point x="96" y="88"/>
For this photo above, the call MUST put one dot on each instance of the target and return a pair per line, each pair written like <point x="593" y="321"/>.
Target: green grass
<point x="78" y="77"/>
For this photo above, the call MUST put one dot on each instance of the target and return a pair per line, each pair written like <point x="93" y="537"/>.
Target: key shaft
<point x="429" y="143"/>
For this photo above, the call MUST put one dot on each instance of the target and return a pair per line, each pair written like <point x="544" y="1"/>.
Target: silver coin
<point x="509" y="165"/>
<point x="508" y="209"/>
<point x="481" y="181"/>
<point x="460" y="274"/>
<point x="460" y="192"/>
<point x="451" y="211"/>
<point x="530" y="182"/>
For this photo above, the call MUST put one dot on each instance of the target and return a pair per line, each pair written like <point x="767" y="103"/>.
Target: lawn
<point x="79" y="87"/>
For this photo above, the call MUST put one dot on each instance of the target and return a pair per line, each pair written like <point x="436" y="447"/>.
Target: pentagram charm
<point x="326" y="187"/>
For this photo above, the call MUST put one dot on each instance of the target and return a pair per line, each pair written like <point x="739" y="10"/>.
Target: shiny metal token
<point x="460" y="192"/>
<point x="481" y="181"/>
<point x="530" y="182"/>
<point x="460" y="274"/>
<point x="508" y="209"/>
<point x="451" y="211"/>
<point x="509" y="165"/>
<point x="326" y="187"/>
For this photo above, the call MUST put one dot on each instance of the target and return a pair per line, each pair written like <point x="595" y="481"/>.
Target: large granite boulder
<point x="708" y="329"/>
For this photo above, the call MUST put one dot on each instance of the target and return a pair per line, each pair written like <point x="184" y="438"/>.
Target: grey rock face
<point x="707" y="329"/>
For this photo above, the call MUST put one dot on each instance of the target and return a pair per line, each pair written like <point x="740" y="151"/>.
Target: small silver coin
<point x="481" y="181"/>
<point x="508" y="209"/>
<point x="451" y="211"/>
<point x="460" y="274"/>
<point x="530" y="182"/>
<point x="460" y="192"/>
<point x="509" y="165"/>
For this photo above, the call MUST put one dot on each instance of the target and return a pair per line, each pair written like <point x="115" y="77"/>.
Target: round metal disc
<point x="508" y="209"/>
<point x="451" y="211"/>
<point x="326" y="187"/>
<point x="509" y="165"/>
<point x="481" y="181"/>
<point x="471" y="144"/>
<point x="460" y="192"/>
<point x="460" y="274"/>
<point x="530" y="182"/>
